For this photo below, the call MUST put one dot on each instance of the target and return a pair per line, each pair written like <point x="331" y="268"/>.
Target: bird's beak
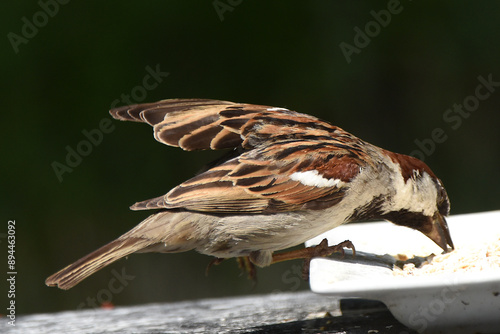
<point x="440" y="233"/>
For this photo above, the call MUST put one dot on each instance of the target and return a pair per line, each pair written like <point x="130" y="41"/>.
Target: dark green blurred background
<point x="61" y="81"/>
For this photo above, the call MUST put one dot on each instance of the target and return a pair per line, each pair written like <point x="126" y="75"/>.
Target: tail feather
<point x="163" y="232"/>
<point x="86" y="266"/>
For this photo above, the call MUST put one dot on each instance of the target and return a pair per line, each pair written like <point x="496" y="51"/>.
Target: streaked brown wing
<point x="187" y="123"/>
<point x="289" y="161"/>
<point x="194" y="124"/>
<point x="285" y="176"/>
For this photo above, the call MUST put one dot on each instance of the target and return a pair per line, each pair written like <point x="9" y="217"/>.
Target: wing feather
<point x="198" y="124"/>
<point x="256" y="182"/>
<point x="276" y="148"/>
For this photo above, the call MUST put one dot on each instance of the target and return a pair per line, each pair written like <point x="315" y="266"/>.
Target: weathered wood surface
<point x="299" y="312"/>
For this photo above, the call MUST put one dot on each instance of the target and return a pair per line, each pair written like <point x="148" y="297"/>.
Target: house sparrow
<point x="287" y="178"/>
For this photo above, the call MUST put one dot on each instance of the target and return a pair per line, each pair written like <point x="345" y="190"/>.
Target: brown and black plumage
<point x="289" y="178"/>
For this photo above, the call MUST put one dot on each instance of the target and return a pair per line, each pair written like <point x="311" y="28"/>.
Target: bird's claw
<point x="247" y="266"/>
<point x="215" y="261"/>
<point x="323" y="250"/>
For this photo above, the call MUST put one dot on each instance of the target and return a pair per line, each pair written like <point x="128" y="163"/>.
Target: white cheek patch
<point x="313" y="179"/>
<point x="416" y="195"/>
<point x="277" y="109"/>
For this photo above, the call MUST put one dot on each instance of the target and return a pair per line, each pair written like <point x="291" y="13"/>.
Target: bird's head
<point x="420" y="201"/>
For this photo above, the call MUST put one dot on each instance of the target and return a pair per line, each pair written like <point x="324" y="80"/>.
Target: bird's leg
<point x="215" y="261"/>
<point x="314" y="251"/>
<point x="308" y="253"/>
<point x="247" y="266"/>
<point x="244" y="264"/>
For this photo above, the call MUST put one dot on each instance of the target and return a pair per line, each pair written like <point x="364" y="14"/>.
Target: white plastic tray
<point x="455" y="303"/>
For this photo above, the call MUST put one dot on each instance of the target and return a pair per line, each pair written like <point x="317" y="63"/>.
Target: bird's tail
<point x="165" y="232"/>
<point x="86" y="266"/>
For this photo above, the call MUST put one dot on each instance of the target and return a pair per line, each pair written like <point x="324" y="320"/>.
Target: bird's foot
<point x="320" y="250"/>
<point x="323" y="250"/>
<point x="215" y="261"/>
<point x="244" y="264"/>
<point x="247" y="267"/>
